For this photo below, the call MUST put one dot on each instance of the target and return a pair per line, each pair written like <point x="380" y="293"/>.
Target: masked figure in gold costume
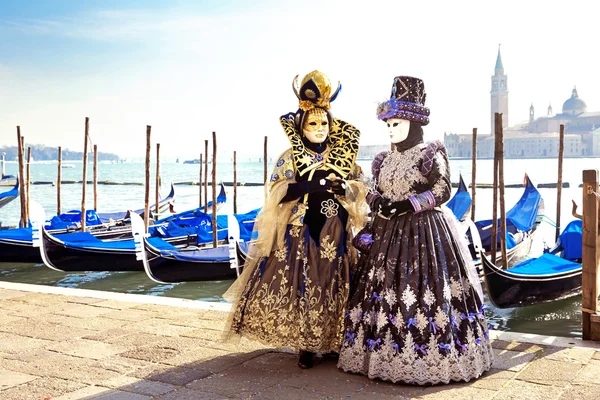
<point x="293" y="291"/>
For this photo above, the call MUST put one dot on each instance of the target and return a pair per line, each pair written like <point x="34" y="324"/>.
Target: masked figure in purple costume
<point x="417" y="315"/>
<point x="294" y="291"/>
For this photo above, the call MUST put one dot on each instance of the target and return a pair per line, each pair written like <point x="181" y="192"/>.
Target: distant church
<point x="537" y="138"/>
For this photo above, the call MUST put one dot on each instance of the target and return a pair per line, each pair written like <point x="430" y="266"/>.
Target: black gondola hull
<point x="61" y="257"/>
<point x="168" y="269"/>
<point x="508" y="290"/>
<point x="21" y="252"/>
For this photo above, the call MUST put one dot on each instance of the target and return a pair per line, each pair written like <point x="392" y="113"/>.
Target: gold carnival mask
<point x="316" y="126"/>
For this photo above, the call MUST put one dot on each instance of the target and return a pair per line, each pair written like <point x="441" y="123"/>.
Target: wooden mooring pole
<point x="590" y="256"/>
<point x="28" y="179"/>
<point x="147" y="181"/>
<point x="500" y="131"/>
<point x="561" y="153"/>
<point x="157" y="192"/>
<point x="234" y="182"/>
<point x="494" y="237"/>
<point x="95" y="177"/>
<point x="200" y="184"/>
<point x="3" y="168"/>
<point x="58" y="180"/>
<point x="214" y="189"/>
<point x="85" y="162"/>
<point x="205" y="176"/>
<point x="22" y="194"/>
<point x="473" y="173"/>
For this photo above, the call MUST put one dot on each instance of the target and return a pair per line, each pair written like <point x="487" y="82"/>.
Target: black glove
<point x="338" y="186"/>
<point x="396" y="208"/>
<point x="299" y="189"/>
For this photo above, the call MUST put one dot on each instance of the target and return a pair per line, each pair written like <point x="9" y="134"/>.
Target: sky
<point x="188" y="68"/>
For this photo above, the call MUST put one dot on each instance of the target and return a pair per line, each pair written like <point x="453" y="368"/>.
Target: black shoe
<point x="305" y="359"/>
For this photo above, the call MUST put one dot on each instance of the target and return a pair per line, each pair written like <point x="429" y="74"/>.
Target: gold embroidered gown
<point x="293" y="293"/>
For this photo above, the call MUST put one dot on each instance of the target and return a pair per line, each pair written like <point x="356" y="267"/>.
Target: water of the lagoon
<point x="559" y="318"/>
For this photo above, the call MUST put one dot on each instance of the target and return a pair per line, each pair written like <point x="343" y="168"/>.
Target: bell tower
<point x="499" y="93"/>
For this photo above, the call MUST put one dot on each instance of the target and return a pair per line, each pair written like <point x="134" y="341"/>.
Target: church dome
<point x="574" y="105"/>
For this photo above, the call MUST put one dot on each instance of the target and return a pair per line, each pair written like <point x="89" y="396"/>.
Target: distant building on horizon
<point x="537" y="138"/>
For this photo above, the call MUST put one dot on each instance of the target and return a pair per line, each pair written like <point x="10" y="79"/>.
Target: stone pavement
<point x="83" y="344"/>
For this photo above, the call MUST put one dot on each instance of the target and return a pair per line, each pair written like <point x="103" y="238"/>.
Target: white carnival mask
<point x="316" y="126"/>
<point x="398" y="129"/>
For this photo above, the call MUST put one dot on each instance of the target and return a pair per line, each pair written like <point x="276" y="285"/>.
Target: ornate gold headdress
<point x="314" y="91"/>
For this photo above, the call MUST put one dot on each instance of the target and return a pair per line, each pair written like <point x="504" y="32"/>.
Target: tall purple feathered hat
<point x="406" y="102"/>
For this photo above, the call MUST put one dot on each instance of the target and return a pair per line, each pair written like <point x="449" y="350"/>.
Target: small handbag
<point x="363" y="241"/>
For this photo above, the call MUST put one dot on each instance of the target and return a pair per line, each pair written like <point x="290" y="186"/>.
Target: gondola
<point x="173" y="265"/>
<point x="82" y="251"/>
<point x="554" y="276"/>
<point x="16" y="245"/>
<point x="9" y="195"/>
<point x="522" y="221"/>
<point x="460" y="203"/>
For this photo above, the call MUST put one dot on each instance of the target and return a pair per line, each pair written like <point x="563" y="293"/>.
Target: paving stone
<point x="179" y="376"/>
<point x="238" y="381"/>
<point x="102" y="393"/>
<point x="91" y="323"/>
<point x="11" y="378"/>
<point x="550" y="372"/>
<point x="17" y="308"/>
<point x="462" y="391"/>
<point x="159" y="326"/>
<point x="194" y="356"/>
<point x="596" y="355"/>
<point x="141" y="386"/>
<point x="581" y="392"/>
<point x="203" y="333"/>
<point x="529" y="391"/>
<point x="198" y="323"/>
<point x="130" y="315"/>
<point x="40" y="299"/>
<point x="590" y="373"/>
<point x="133" y="339"/>
<point x="184" y="393"/>
<point x="108" y="334"/>
<point x="44" y="331"/>
<point x="511" y="360"/>
<point x="11" y="294"/>
<point x="221" y="363"/>
<point x="327" y="384"/>
<point x="82" y="311"/>
<point x="12" y="343"/>
<point x="121" y="365"/>
<point x="576" y="354"/>
<point x="59" y="386"/>
<point x="148" y="353"/>
<point x="493" y="379"/>
<point x="87" y="348"/>
<point x="42" y="388"/>
<point x="115" y="304"/>
<point x="8" y="319"/>
<point x="516" y="346"/>
<point x="279" y="392"/>
<point x="84" y="300"/>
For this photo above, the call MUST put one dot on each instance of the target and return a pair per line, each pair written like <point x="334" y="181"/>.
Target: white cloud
<point x="232" y="72"/>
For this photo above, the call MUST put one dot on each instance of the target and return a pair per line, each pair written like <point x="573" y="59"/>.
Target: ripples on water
<point x="558" y="318"/>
